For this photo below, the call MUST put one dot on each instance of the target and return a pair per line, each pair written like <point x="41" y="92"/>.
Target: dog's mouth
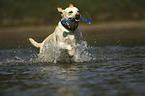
<point x="72" y="22"/>
<point x="76" y="19"/>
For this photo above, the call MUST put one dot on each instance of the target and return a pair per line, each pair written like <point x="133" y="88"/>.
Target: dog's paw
<point x="65" y="46"/>
<point x="69" y="47"/>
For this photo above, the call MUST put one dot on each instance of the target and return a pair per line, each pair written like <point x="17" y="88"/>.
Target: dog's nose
<point x="78" y="15"/>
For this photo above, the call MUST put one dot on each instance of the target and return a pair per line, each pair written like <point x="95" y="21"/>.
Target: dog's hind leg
<point x="35" y="43"/>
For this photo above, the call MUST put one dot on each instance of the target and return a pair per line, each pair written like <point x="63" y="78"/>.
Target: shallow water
<point x="113" y="70"/>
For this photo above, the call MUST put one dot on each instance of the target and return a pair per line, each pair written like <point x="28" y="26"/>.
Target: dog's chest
<point x="68" y="37"/>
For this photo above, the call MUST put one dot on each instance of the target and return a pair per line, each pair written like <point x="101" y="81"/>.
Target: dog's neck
<point x="71" y="26"/>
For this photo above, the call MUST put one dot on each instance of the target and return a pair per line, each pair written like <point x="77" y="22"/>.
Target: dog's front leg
<point x="68" y="47"/>
<point x="65" y="46"/>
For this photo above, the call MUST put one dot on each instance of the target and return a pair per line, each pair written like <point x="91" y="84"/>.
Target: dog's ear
<point x="59" y="9"/>
<point x="71" y="5"/>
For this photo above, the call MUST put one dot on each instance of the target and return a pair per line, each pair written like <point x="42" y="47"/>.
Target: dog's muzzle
<point x="77" y="17"/>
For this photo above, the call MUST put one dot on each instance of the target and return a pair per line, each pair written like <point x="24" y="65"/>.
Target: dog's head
<point x="70" y="12"/>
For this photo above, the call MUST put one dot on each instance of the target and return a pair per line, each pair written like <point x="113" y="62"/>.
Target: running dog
<point x="66" y="35"/>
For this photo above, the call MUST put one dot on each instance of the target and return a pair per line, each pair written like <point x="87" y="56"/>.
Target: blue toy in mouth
<point x="87" y="20"/>
<point x="72" y="19"/>
<point x="69" y="20"/>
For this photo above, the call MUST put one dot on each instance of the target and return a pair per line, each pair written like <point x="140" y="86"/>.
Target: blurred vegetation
<point x="37" y="12"/>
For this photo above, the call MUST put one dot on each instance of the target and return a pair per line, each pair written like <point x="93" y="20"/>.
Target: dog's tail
<point x="35" y="43"/>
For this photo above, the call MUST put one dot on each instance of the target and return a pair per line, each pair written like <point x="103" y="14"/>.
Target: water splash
<point x="87" y="54"/>
<point x="51" y="53"/>
<point x="17" y="56"/>
<point x="84" y="52"/>
<point x="54" y="53"/>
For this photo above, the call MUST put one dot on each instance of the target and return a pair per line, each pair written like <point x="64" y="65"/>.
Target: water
<point x="111" y="70"/>
<point x="58" y="54"/>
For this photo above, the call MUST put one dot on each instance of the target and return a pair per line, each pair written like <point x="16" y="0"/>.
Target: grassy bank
<point x="28" y="12"/>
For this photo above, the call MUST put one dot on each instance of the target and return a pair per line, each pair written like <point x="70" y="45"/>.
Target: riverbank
<point x="100" y="34"/>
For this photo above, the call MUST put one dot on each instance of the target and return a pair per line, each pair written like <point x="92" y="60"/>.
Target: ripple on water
<point x="112" y="70"/>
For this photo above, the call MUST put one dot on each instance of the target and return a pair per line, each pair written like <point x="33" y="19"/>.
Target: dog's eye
<point x="70" y="12"/>
<point x="78" y="11"/>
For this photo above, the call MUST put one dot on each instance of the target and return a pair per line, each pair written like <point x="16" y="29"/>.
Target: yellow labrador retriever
<point x="66" y="35"/>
